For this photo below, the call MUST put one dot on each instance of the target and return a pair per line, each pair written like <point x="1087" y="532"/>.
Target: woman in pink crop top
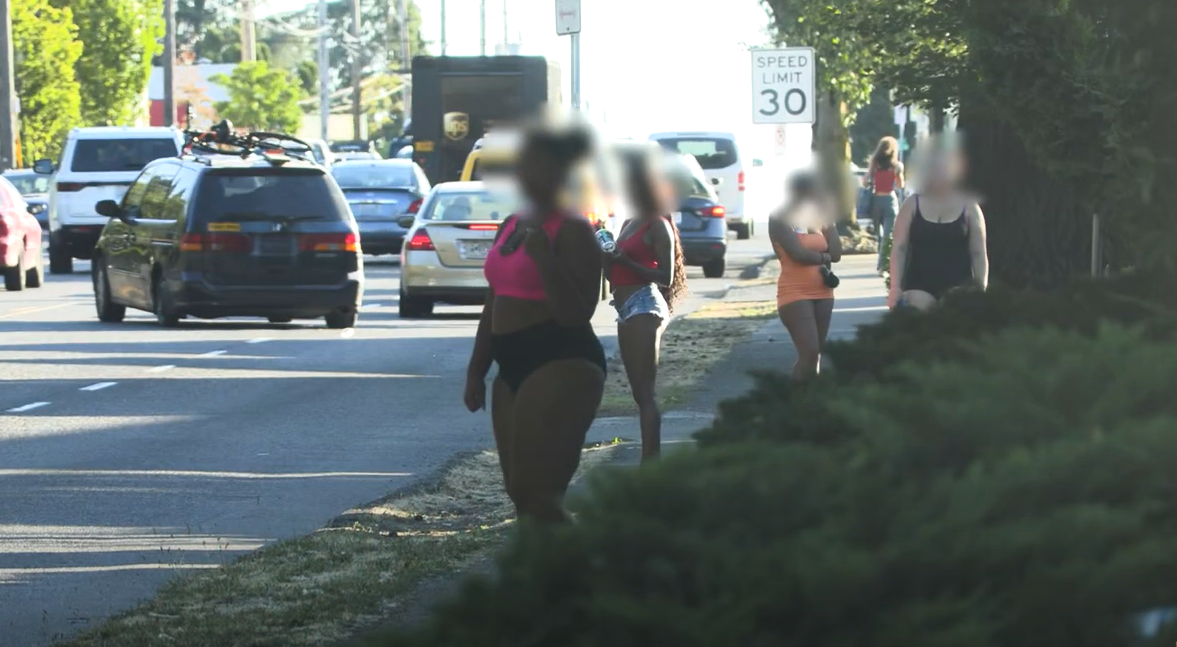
<point x="648" y="275"/>
<point x="544" y="272"/>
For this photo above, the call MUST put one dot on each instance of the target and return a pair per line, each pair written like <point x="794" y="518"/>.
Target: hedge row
<point x="1013" y="489"/>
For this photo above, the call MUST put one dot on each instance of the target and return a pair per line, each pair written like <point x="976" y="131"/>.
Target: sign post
<point x="568" y="24"/>
<point x="783" y="86"/>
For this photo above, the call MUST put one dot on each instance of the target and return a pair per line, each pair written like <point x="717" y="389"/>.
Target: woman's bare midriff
<point x="512" y="315"/>
<point x="622" y="293"/>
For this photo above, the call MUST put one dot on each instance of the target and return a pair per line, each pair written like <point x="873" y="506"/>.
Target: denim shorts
<point x="646" y="301"/>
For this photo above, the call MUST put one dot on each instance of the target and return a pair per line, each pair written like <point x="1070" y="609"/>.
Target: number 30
<point x="792" y="97"/>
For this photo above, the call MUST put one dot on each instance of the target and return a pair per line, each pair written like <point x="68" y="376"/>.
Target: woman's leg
<point x="502" y="406"/>
<point x="639" y="339"/>
<point x="886" y="224"/>
<point x="554" y="408"/>
<point x="823" y="314"/>
<point x="800" y="319"/>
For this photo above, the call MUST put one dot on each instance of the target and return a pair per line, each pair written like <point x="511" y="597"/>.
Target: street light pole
<point x="443" y="42"/>
<point x="576" y="71"/>
<point x="169" y="63"/>
<point x="357" y="92"/>
<point x="482" y="27"/>
<point x="7" y="91"/>
<point x="324" y="74"/>
<point x="406" y="59"/>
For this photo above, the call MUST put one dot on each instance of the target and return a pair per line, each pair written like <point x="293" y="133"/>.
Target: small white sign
<point x="783" y="86"/>
<point x="778" y="137"/>
<point x="567" y="17"/>
<point x="901" y="116"/>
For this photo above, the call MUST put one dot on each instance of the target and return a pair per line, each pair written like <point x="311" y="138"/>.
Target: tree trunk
<point x="832" y="143"/>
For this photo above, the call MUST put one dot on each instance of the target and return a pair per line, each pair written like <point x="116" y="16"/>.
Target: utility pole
<point x="169" y="63"/>
<point x="248" y="34"/>
<point x="406" y="60"/>
<point x="482" y="27"/>
<point x="443" y="42"/>
<point x="506" y="34"/>
<point x="357" y="92"/>
<point x="576" y="71"/>
<point x="7" y="91"/>
<point x="324" y="74"/>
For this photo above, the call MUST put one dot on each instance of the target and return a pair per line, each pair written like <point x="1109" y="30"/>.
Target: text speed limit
<point x="783" y="86"/>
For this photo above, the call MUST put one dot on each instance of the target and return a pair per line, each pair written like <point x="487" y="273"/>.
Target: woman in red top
<point x="648" y="275"/>
<point x="885" y="176"/>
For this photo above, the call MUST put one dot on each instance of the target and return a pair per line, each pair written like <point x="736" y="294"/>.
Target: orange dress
<point x="799" y="282"/>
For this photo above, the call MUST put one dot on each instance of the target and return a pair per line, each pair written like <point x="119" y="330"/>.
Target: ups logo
<point x="456" y="125"/>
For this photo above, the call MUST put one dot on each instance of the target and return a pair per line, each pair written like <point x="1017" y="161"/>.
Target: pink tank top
<point x="516" y="275"/>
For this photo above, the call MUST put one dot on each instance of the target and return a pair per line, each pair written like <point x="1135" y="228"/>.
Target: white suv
<point x="719" y="156"/>
<point x="96" y="164"/>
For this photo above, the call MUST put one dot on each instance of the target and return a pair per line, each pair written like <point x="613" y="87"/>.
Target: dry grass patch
<point x="690" y="347"/>
<point x="322" y="588"/>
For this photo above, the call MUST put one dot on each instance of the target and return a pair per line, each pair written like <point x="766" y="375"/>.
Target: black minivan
<point x="220" y="236"/>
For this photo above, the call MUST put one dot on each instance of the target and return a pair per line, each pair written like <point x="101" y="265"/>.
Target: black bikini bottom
<point x="521" y="353"/>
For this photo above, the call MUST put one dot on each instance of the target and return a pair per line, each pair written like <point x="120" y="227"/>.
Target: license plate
<point x="377" y="225"/>
<point x="678" y="217"/>
<point x="474" y="250"/>
<point x="366" y="209"/>
<point x="274" y="245"/>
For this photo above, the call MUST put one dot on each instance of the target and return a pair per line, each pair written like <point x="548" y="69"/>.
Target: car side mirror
<point x="109" y="208"/>
<point x="44" y="167"/>
<point x="406" y="222"/>
<point x="757" y="163"/>
<point x="37" y="209"/>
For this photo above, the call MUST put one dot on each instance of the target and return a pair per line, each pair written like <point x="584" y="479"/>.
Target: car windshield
<point x="711" y="152"/>
<point x="379" y="176"/>
<point x="265" y="194"/>
<point x="462" y="206"/>
<point x="115" y="155"/>
<point x="29" y="183"/>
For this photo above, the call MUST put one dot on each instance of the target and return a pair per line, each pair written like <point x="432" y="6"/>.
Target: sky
<point x="646" y="65"/>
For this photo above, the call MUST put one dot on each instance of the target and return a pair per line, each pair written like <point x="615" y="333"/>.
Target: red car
<point x="21" y="261"/>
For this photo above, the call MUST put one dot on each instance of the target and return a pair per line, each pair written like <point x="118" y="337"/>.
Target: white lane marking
<point x="259" y="340"/>
<point x="213" y="353"/>
<point x="347" y="333"/>
<point x="247" y="476"/>
<point x="27" y="407"/>
<point x="31" y="310"/>
<point x="98" y="386"/>
<point x="161" y="369"/>
<point x="371" y="306"/>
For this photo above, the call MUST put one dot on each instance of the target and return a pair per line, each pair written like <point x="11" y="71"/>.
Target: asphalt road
<point x="131" y="453"/>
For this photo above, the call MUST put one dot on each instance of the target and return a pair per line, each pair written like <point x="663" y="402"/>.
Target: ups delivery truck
<point x="458" y="99"/>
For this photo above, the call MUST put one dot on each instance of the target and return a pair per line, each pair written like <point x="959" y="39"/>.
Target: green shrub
<point x="1021" y="500"/>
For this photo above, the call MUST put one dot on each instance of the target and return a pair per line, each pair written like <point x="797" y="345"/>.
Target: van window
<point x="157" y="190"/>
<point x="119" y="155"/>
<point x="268" y="194"/>
<point x="712" y="153"/>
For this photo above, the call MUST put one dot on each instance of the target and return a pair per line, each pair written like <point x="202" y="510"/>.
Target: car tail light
<point x="415" y="206"/>
<point x="484" y="227"/>
<point x="740" y="181"/>
<point x="230" y="243"/>
<point x="70" y="187"/>
<point x="420" y="242"/>
<point x="715" y="212"/>
<point x="328" y="242"/>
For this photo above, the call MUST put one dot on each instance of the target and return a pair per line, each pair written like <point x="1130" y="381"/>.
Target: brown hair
<point x="886" y="155"/>
<point x="641" y="180"/>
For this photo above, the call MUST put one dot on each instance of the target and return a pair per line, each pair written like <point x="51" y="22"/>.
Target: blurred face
<point x="539" y="176"/>
<point x="942" y="171"/>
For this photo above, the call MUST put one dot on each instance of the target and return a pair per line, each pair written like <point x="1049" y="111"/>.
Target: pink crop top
<point x="516" y="275"/>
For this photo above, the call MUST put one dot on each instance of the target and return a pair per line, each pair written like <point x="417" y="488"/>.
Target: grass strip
<point x="691" y="345"/>
<point x="321" y="588"/>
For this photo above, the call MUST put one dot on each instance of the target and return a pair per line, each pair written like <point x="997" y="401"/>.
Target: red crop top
<point x="640" y="252"/>
<point x="516" y="275"/>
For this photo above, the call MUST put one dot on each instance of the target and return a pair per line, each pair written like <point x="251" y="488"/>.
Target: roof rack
<point x="276" y="148"/>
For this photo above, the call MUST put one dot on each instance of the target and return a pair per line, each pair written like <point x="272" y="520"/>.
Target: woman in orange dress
<point x="806" y="241"/>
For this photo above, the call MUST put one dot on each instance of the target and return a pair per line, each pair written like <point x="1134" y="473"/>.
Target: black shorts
<point x="521" y="353"/>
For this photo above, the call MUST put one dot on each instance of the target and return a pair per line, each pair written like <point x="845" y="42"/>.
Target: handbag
<point x="866" y="200"/>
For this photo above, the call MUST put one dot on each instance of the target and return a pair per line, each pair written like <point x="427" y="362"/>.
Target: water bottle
<point x="608" y="243"/>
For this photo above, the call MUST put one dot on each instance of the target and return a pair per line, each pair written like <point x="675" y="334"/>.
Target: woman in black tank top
<point x="939" y="238"/>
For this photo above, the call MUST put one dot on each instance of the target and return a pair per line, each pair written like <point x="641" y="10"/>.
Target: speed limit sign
<point x="783" y="86"/>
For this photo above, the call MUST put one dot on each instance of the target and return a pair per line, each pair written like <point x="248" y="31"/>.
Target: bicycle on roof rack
<point x="221" y="140"/>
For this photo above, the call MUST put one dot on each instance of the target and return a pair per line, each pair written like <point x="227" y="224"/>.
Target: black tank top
<point x="939" y="253"/>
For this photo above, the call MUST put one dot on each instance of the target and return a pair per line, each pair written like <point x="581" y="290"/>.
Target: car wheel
<point x="35" y="275"/>
<point x="280" y="320"/>
<point x="108" y="310"/>
<point x="339" y="320"/>
<point x="743" y="231"/>
<point x="715" y="269"/>
<point x="161" y="301"/>
<point x="411" y="308"/>
<point x="14" y="277"/>
<point x="60" y="261"/>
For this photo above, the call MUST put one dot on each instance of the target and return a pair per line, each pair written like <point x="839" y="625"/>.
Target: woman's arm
<point x="900" y="177"/>
<point x="480" y="359"/>
<point x="570" y="270"/>
<point x="786" y="237"/>
<point x="900" y="244"/>
<point x="833" y="243"/>
<point x="978" y="249"/>
<point x="870" y="174"/>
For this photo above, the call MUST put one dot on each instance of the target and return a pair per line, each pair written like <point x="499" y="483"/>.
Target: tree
<point x="260" y="98"/>
<point x="120" y="38"/>
<point x="46" y="49"/>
